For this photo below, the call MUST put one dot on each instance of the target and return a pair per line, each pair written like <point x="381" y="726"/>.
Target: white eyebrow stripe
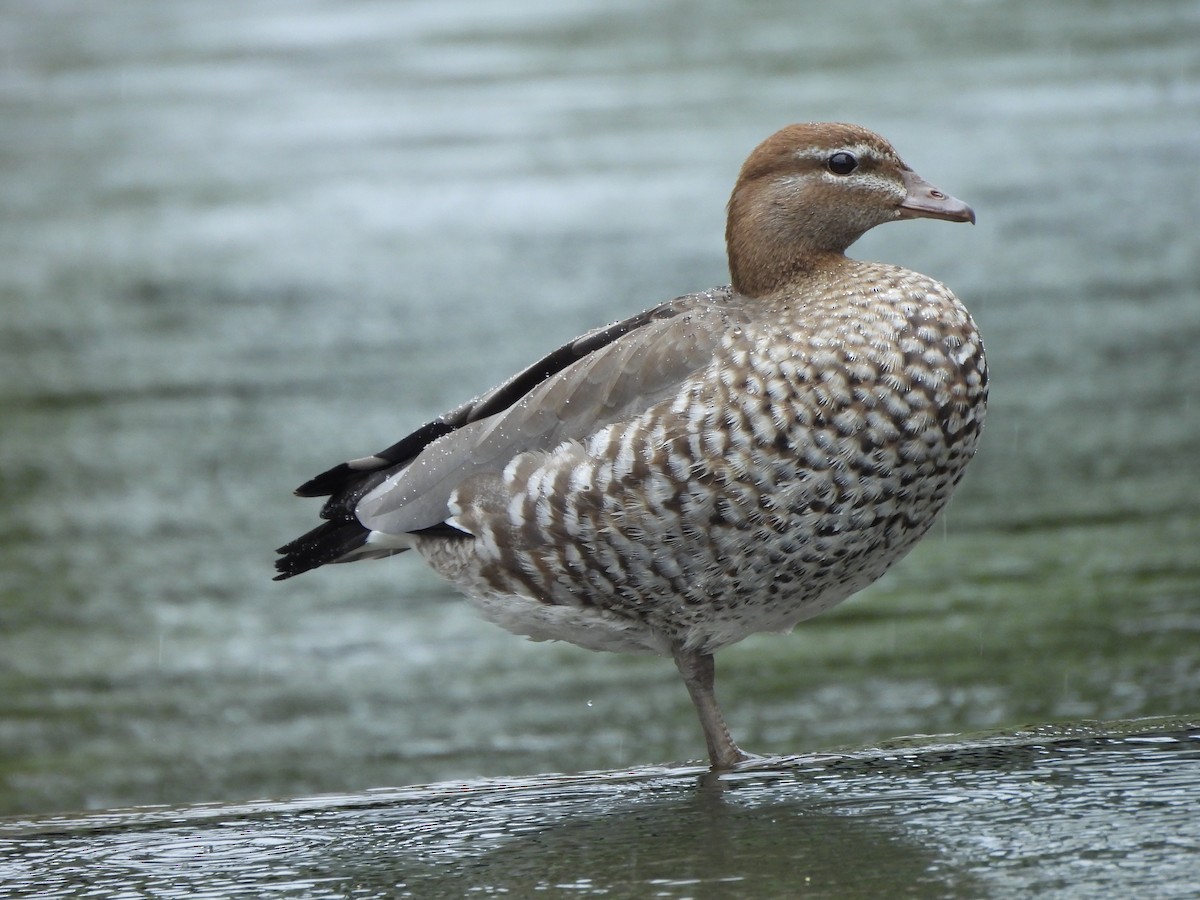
<point x="820" y="154"/>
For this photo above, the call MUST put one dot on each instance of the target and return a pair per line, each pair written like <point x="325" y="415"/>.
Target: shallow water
<point x="240" y="243"/>
<point x="1075" y="813"/>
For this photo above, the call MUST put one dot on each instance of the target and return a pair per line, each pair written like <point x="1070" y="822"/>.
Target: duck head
<point x="809" y="191"/>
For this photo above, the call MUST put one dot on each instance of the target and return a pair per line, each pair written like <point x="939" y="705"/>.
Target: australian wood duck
<point x="731" y="461"/>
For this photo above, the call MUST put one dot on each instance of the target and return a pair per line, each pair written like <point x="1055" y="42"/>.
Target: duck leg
<point x="699" y="672"/>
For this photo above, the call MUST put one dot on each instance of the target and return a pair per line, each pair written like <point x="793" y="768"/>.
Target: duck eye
<point x="842" y="163"/>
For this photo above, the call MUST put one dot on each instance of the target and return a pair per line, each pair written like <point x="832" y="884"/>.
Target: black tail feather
<point x="326" y="543"/>
<point x="328" y="482"/>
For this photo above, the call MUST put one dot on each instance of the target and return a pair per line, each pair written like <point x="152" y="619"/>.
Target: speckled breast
<point x="813" y="452"/>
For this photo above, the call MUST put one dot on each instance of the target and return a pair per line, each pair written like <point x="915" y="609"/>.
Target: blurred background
<point x="242" y="242"/>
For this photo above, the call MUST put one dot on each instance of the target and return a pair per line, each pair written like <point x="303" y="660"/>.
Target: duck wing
<point x="599" y="378"/>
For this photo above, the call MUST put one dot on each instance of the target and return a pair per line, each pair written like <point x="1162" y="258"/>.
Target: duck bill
<point x="924" y="201"/>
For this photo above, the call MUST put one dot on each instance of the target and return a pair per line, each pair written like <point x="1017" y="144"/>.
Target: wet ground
<point x="238" y="244"/>
<point x="1081" y="812"/>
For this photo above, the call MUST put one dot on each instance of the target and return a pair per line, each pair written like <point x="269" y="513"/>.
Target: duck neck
<point x="769" y="249"/>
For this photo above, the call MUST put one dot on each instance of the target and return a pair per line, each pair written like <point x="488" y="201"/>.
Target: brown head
<point x="809" y="191"/>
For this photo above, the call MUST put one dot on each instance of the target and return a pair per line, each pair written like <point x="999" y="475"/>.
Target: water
<point x="1080" y="814"/>
<point x="238" y="244"/>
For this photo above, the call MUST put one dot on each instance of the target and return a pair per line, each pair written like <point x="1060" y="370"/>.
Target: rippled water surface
<point x="240" y="242"/>
<point x="1092" y="813"/>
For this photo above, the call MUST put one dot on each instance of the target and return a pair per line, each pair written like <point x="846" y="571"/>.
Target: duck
<point x="729" y="462"/>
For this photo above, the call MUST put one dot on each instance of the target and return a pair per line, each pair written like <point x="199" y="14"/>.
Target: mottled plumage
<point x="732" y="461"/>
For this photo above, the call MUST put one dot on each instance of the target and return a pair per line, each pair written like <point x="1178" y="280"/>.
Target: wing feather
<point x="599" y="378"/>
<point x="616" y="380"/>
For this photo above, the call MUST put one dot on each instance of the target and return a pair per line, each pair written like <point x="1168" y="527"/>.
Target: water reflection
<point x="1050" y="814"/>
